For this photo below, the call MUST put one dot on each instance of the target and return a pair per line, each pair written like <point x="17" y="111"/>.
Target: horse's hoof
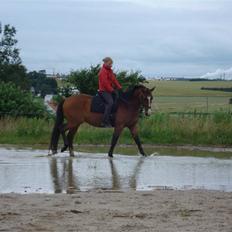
<point x="52" y="152"/>
<point x="110" y="156"/>
<point x="63" y="149"/>
<point x="71" y="153"/>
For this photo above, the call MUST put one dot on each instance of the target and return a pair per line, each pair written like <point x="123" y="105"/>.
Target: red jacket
<point x="107" y="80"/>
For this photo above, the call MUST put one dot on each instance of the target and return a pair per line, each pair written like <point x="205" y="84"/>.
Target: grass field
<point x="160" y="128"/>
<point x="189" y="88"/>
<point x="187" y="96"/>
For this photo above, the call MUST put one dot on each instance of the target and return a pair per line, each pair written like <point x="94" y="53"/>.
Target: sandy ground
<point x="159" y="210"/>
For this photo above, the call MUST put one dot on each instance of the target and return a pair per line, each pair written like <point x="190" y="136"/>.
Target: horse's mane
<point x="130" y="91"/>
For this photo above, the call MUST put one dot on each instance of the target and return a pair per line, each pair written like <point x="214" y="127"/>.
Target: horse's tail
<point x="56" y="129"/>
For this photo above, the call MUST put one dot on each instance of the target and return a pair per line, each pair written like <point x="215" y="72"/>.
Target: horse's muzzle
<point x="148" y="112"/>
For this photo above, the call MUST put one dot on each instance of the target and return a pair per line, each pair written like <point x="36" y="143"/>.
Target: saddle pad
<point x="98" y="105"/>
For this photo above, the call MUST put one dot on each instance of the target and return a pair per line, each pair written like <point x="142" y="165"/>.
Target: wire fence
<point x="186" y="105"/>
<point x="192" y="104"/>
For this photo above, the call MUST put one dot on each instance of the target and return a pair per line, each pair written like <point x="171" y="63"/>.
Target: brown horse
<point x="77" y="110"/>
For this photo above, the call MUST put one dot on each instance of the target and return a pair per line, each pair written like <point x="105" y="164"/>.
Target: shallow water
<point x="32" y="171"/>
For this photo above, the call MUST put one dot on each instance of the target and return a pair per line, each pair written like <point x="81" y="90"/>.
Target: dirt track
<point x="160" y="210"/>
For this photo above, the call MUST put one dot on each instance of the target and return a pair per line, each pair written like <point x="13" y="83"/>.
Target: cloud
<point x="193" y="5"/>
<point x="175" y="37"/>
<point x="219" y="73"/>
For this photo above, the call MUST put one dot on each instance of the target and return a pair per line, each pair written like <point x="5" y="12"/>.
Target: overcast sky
<point x="175" y="37"/>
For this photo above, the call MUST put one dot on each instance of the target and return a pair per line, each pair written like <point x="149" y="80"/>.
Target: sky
<point x="190" y="38"/>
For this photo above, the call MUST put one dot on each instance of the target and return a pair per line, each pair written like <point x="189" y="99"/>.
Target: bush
<point x="57" y="98"/>
<point x="130" y="79"/>
<point x="16" y="74"/>
<point x="86" y="80"/>
<point x="14" y="101"/>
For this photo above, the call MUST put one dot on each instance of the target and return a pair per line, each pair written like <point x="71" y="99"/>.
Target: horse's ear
<point x="152" y="89"/>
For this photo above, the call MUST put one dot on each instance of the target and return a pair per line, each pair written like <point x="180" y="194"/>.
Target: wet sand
<point x="99" y="210"/>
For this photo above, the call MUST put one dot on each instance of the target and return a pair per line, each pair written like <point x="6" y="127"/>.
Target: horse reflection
<point x="115" y="177"/>
<point x="64" y="181"/>
<point x="132" y="179"/>
<point x="136" y="171"/>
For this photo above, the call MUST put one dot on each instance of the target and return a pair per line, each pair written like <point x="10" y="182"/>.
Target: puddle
<point x="32" y="171"/>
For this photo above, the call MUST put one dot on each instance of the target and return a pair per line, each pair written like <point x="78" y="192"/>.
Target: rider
<point x="107" y="86"/>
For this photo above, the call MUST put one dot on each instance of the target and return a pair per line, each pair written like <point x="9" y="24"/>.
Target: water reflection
<point x="114" y="175"/>
<point x="135" y="173"/>
<point x="55" y="176"/>
<point x="63" y="177"/>
<point x="26" y="171"/>
<point x="66" y="180"/>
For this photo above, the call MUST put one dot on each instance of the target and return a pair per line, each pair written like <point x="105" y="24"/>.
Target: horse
<point x="76" y="110"/>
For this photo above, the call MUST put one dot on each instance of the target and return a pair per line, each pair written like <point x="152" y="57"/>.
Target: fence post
<point x="207" y="104"/>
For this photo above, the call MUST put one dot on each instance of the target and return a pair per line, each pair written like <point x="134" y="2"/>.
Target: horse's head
<point x="145" y="97"/>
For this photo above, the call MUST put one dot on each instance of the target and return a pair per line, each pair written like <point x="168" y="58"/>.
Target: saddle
<point x="98" y="104"/>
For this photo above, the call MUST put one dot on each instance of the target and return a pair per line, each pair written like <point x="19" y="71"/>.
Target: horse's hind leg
<point x="63" y="128"/>
<point x="66" y="145"/>
<point x="70" y="138"/>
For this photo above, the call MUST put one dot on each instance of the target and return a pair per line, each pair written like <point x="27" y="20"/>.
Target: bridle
<point x="143" y="106"/>
<point x="143" y="94"/>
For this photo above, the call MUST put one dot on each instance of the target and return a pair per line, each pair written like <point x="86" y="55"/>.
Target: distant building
<point x="74" y="90"/>
<point x="32" y="90"/>
<point x="54" y="76"/>
<point x="43" y="71"/>
<point x="168" y="78"/>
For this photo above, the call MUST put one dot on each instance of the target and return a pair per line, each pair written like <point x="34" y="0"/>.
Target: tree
<point x="41" y="84"/>
<point x="130" y="79"/>
<point x="9" y="54"/>
<point x="86" y="80"/>
<point x="15" y="74"/>
<point x="14" y="101"/>
<point x="11" y="69"/>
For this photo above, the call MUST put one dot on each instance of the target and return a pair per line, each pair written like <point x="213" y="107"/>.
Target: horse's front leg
<point x="117" y="132"/>
<point x="134" y="133"/>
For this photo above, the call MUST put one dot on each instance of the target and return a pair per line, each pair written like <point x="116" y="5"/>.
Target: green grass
<point x="189" y="88"/>
<point x="162" y="128"/>
<point x="191" y="104"/>
<point x="186" y="96"/>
